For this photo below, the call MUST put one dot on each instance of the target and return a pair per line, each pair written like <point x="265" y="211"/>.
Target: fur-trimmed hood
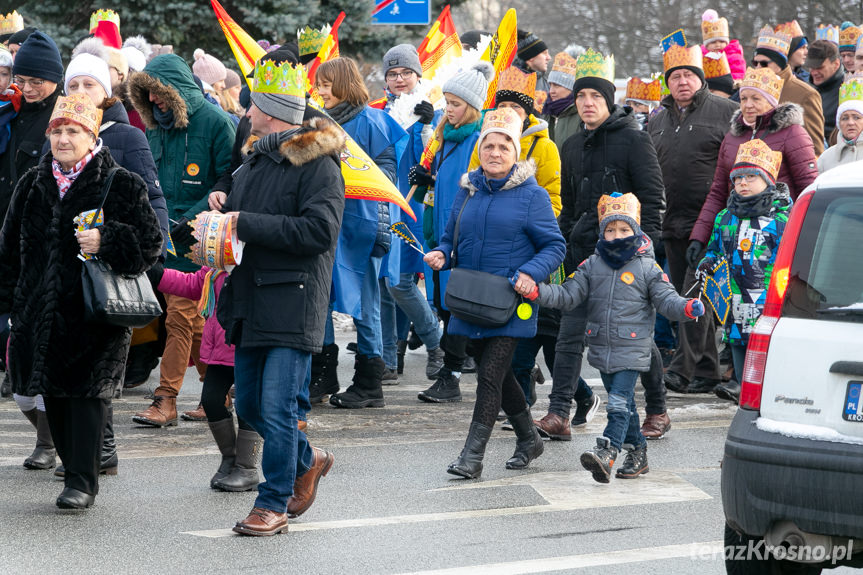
<point x="170" y="78"/>
<point x="777" y="119"/>
<point x="317" y="137"/>
<point x="524" y="169"/>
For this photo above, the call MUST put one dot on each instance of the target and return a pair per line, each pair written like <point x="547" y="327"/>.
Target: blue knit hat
<point x="39" y="57"/>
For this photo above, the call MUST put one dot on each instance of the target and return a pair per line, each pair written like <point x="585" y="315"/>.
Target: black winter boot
<point x="109" y="461"/>
<point x="244" y="474"/>
<point x="528" y="443"/>
<point x="635" y="463"/>
<point x="44" y="456"/>
<point x="469" y="462"/>
<point x="444" y="390"/>
<point x="600" y="459"/>
<point x="325" y="378"/>
<point x="366" y="390"/>
<point x="401" y="348"/>
<point x="414" y="341"/>
<point x="225" y="435"/>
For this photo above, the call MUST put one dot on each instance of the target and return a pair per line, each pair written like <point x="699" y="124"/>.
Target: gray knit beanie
<point x="471" y="85"/>
<point x="286" y="108"/>
<point x="402" y="56"/>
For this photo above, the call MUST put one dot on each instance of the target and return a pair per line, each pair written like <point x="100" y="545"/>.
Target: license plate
<point x="853" y="410"/>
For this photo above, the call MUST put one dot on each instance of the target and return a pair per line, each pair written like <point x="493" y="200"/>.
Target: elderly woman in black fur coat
<point x="74" y="365"/>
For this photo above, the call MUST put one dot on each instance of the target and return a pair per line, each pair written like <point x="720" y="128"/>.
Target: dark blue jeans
<point x="268" y="383"/>
<point x="738" y="359"/>
<point x="567" y="383"/>
<point x="623" y="426"/>
<point x="525" y="357"/>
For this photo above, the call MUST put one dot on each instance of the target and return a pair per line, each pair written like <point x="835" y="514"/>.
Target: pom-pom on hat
<point x="756" y="157"/>
<point x="78" y="108"/>
<point x="471" y="85"/>
<point x="503" y="121"/>
<point x="137" y="50"/>
<point x="765" y="82"/>
<point x="516" y="86"/>
<point x="713" y="27"/>
<point x="39" y="57"/>
<point x="208" y="68"/>
<point x="402" y="56"/>
<point x="5" y="58"/>
<point x="85" y="64"/>
<point x="617" y="206"/>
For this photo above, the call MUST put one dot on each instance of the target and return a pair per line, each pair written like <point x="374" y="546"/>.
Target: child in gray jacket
<point x="623" y="286"/>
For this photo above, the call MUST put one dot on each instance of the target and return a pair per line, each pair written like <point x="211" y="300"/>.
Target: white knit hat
<point x="85" y="64"/>
<point x="471" y="85"/>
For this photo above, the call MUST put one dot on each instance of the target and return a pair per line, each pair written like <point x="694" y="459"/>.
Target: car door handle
<point x="847" y="367"/>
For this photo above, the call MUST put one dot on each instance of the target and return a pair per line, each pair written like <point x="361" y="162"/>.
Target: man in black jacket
<point x="610" y="154"/>
<point x="687" y="133"/>
<point x="826" y="74"/>
<point x="287" y="201"/>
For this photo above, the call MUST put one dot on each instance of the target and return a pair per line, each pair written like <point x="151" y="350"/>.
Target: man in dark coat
<point x="687" y="134"/>
<point x="287" y="200"/>
<point x="826" y="74"/>
<point x="610" y="154"/>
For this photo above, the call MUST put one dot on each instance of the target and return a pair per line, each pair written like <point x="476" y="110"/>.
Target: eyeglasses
<point x="34" y="82"/>
<point x="406" y="75"/>
<point x="760" y="63"/>
<point x="747" y="178"/>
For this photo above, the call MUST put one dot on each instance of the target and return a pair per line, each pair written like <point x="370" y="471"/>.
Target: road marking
<point x="707" y="550"/>
<point x="564" y="491"/>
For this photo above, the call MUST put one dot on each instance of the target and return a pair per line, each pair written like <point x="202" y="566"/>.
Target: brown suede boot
<point x="161" y="413"/>
<point x="554" y="427"/>
<point x="196" y="414"/>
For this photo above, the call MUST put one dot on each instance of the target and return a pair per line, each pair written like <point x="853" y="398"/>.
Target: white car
<point x="792" y="473"/>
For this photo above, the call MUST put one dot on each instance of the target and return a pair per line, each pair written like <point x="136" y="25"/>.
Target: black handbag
<point x="112" y="298"/>
<point x="480" y="298"/>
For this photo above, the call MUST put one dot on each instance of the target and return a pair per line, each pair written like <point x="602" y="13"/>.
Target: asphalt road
<point x="387" y="506"/>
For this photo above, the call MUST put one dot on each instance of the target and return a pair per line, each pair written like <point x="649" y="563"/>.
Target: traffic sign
<point x="403" y="12"/>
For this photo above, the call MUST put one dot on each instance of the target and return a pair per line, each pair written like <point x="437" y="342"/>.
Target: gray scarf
<point x="344" y="112"/>
<point x="272" y="142"/>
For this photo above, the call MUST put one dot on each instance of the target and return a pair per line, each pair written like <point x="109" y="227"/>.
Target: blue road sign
<point x="403" y="12"/>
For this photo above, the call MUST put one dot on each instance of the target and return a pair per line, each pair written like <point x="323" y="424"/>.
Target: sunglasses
<point x="760" y="63"/>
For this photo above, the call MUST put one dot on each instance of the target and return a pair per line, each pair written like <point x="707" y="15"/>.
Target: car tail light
<point x="752" y="378"/>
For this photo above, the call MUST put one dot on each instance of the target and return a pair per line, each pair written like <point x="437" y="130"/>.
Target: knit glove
<point x="693" y="253"/>
<point x="705" y="268"/>
<point x="419" y="176"/>
<point x="425" y="111"/>
<point x="181" y="233"/>
<point x="694" y="308"/>
<point x="533" y="294"/>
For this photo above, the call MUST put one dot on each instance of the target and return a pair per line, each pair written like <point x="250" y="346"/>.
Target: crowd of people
<point x="586" y="219"/>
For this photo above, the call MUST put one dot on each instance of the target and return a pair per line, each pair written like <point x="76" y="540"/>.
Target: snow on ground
<point x="704" y="410"/>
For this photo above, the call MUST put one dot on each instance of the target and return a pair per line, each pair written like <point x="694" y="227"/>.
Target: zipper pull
<point x="677" y="129"/>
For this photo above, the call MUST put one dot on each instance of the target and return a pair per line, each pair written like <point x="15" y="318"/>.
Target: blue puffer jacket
<point x="504" y="229"/>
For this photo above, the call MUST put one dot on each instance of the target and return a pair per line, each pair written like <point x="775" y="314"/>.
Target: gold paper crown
<point x="860" y="43"/>
<point x="714" y="29"/>
<point x="827" y="32"/>
<point x="763" y="79"/>
<point x="593" y="65"/>
<point x="757" y="153"/>
<point x="772" y="40"/>
<point x="565" y="64"/>
<point x="103" y="15"/>
<point x="311" y="40"/>
<point x="638" y="89"/>
<point x="622" y="205"/>
<point x="11" y="23"/>
<point x="792" y="29"/>
<point x="678" y="56"/>
<point x="284" y="79"/>
<point x="502" y="119"/>
<point x="848" y="37"/>
<point x="515" y="80"/>
<point x="78" y="108"/>
<point x="716" y="65"/>
<point x="851" y="88"/>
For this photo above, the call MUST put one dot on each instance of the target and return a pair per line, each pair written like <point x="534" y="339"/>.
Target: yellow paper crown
<point x="593" y="64"/>
<point x="678" y="56"/>
<point x="621" y="205"/>
<point x="11" y="23"/>
<point x="757" y="154"/>
<point x="769" y="39"/>
<point x="103" y="15"/>
<point x="515" y="80"/>
<point x="311" y="40"/>
<point x="827" y="32"/>
<point x="284" y="79"/>
<point x="716" y="65"/>
<point x="851" y="88"/>
<point x="763" y="79"/>
<point x="78" y="108"/>
<point x="638" y="89"/>
<point x="565" y="64"/>
<point x="714" y="29"/>
<point x="848" y="37"/>
<point x="792" y="29"/>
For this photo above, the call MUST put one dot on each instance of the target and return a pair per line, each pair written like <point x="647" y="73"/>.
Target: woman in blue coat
<point x="506" y="227"/>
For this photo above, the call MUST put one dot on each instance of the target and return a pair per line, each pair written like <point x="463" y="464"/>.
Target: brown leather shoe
<point x="655" y="426"/>
<point x="161" y="413"/>
<point x="262" y="522"/>
<point x="554" y="427"/>
<point x="306" y="485"/>
<point x="196" y="414"/>
<point x="301" y="425"/>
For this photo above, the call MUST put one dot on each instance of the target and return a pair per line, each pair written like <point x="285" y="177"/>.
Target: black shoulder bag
<point x="480" y="298"/>
<point x="112" y="298"/>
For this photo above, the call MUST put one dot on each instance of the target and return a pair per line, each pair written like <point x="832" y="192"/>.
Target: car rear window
<point x="826" y="276"/>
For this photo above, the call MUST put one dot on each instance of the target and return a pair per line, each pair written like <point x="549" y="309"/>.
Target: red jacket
<point x="783" y="133"/>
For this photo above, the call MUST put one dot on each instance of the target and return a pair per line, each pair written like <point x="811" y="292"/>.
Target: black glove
<point x="420" y="176"/>
<point x="181" y="233"/>
<point x="706" y="266"/>
<point x="425" y="111"/>
<point x="155" y="273"/>
<point x="693" y="253"/>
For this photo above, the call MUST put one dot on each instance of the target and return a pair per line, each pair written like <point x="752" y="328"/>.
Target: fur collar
<point x="524" y="169"/>
<point x="783" y="116"/>
<point x="140" y="86"/>
<point x="318" y="137"/>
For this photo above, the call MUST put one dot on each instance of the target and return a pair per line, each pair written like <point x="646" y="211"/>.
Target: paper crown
<point x="769" y="39"/>
<point x="851" y="88"/>
<point x="827" y="32"/>
<point x="792" y="29"/>
<point x="284" y="79"/>
<point x="503" y="119"/>
<point x="848" y="38"/>
<point x="311" y="40"/>
<point x="565" y="64"/>
<point x="539" y="100"/>
<point x="515" y="80"/>
<point x="716" y="65"/>
<point x="676" y="38"/>
<point x="714" y="29"/>
<point x="638" y="89"/>
<point x="755" y="153"/>
<point x="103" y="15"/>
<point x="860" y="43"/>
<point x="593" y="64"/>
<point x="620" y="205"/>
<point x="763" y="79"/>
<point x="78" y="108"/>
<point x="677" y="56"/>
<point x="11" y="23"/>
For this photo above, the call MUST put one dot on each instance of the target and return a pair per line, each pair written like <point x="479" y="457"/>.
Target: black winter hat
<point x="39" y="57"/>
<point x="473" y="37"/>
<point x="529" y="45"/>
<point x="21" y="35"/>
<point x="601" y="85"/>
<point x="774" y="56"/>
<point x="722" y="83"/>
